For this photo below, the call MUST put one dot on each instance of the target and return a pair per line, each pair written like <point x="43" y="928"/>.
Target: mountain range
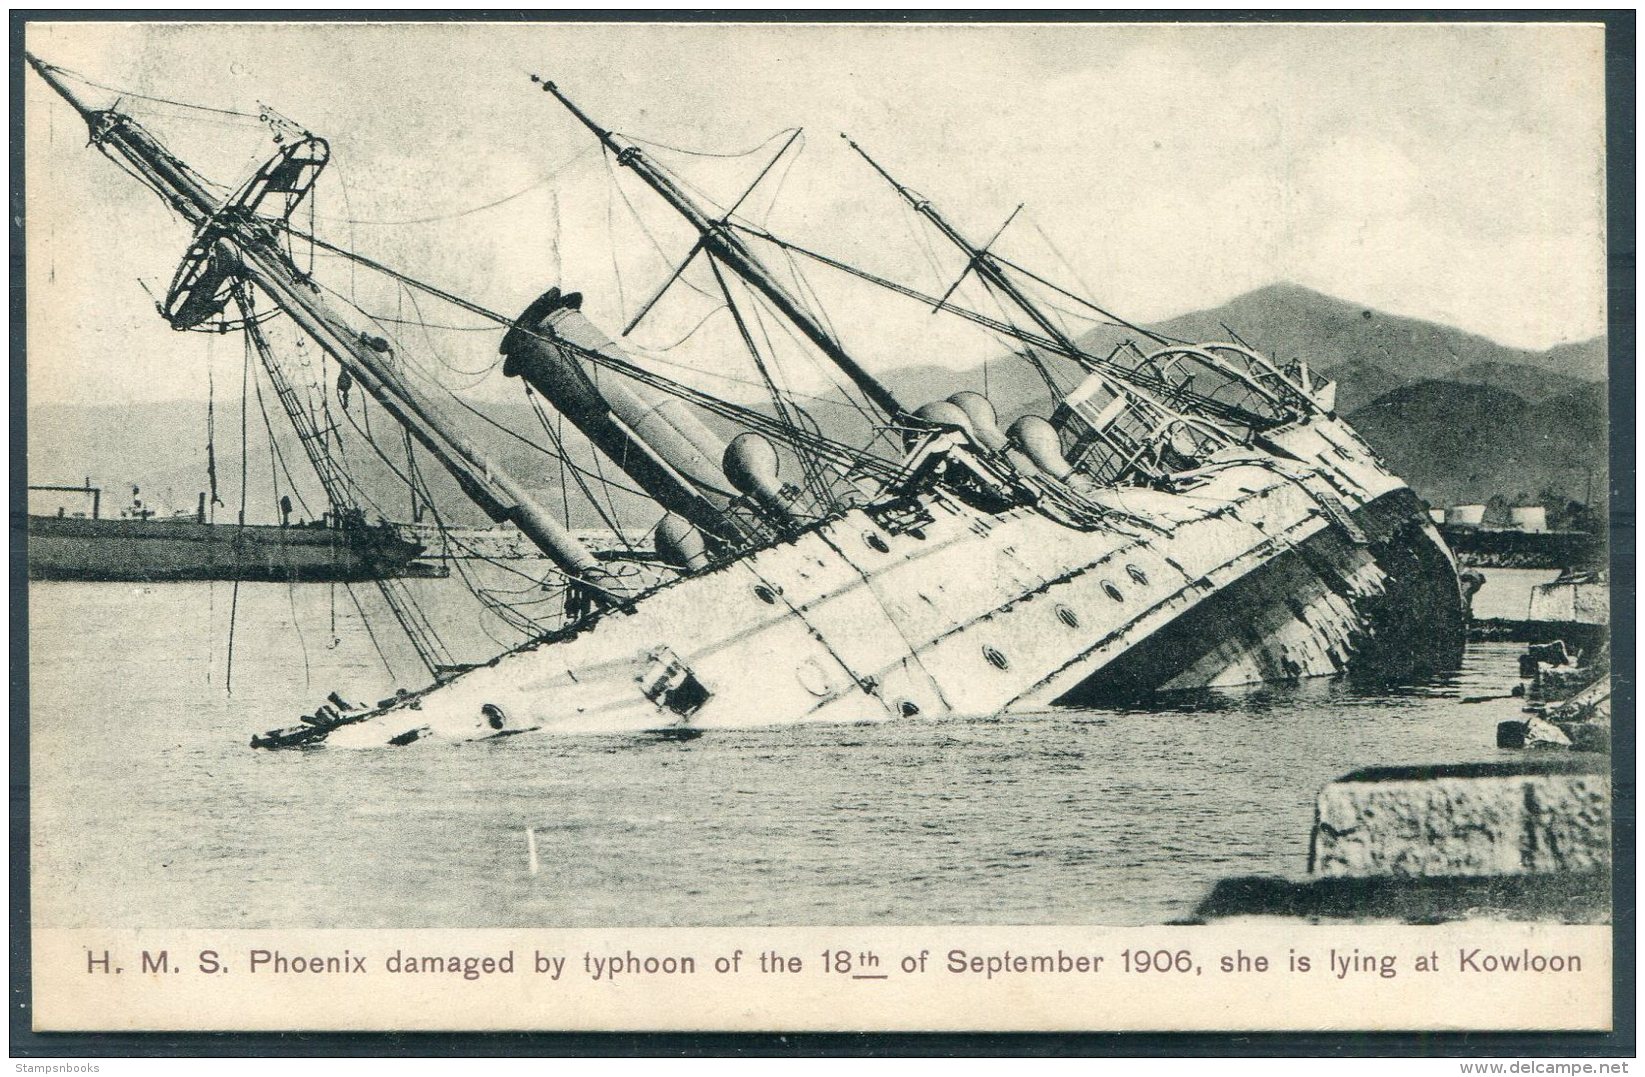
<point x="1462" y="418"/>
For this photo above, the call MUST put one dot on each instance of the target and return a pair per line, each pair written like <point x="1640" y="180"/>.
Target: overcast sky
<point x="1449" y="173"/>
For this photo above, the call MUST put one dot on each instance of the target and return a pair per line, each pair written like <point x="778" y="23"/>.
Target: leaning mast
<point x="720" y="242"/>
<point x="981" y="261"/>
<point x="235" y="243"/>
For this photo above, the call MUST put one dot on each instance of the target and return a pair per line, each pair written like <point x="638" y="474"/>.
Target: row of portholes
<point x="767" y="594"/>
<point x="994" y="655"/>
<point x="1067" y="616"/>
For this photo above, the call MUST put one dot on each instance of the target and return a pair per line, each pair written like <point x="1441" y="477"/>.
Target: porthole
<point x="1067" y="617"/>
<point x="493" y="715"/>
<point x="814" y="678"/>
<point x="995" y="658"/>
<point x="1137" y="575"/>
<point x="908" y="708"/>
<point x="765" y="594"/>
<point x="874" y="542"/>
<point x="1112" y="592"/>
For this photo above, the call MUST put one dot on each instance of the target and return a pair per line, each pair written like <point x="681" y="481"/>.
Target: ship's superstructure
<point x="1185" y="515"/>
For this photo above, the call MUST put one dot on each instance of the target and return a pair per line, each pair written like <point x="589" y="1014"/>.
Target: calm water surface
<point x="149" y="809"/>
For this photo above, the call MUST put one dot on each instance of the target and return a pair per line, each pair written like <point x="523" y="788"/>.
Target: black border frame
<point x="1620" y="90"/>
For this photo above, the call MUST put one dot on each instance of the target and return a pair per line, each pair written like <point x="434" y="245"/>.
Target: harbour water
<point x="150" y="810"/>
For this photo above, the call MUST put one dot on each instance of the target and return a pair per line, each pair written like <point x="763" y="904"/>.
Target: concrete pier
<point x="1525" y="839"/>
<point x="1470" y="819"/>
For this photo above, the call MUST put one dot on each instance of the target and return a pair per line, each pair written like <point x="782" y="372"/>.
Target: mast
<point x="989" y="270"/>
<point x="240" y="244"/>
<point x="981" y="260"/>
<point x="720" y="242"/>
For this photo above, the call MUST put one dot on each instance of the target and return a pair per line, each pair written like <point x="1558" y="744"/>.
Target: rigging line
<point x="822" y="493"/>
<point x="410" y="614"/>
<point x="612" y="520"/>
<point x="276" y="464"/>
<point x="545" y="450"/>
<point x="448" y="328"/>
<point x="662" y="252"/>
<point x="122" y="165"/>
<point x="428" y="499"/>
<point x="417" y="310"/>
<point x="689" y="334"/>
<point x="211" y="431"/>
<point x="850" y="393"/>
<point x="296" y="626"/>
<point x="516" y="435"/>
<point x="1054" y="249"/>
<point x="531" y="626"/>
<point x="769" y="165"/>
<point x="565" y="502"/>
<point x="611" y="228"/>
<point x="748" y="342"/>
<point x="276" y="460"/>
<point x="617" y="524"/>
<point x="422" y="636"/>
<point x="706" y="153"/>
<point x="1113" y="318"/>
<point x="366" y="623"/>
<point x="554" y="231"/>
<point x="499" y="563"/>
<point x="411" y="469"/>
<point x="1130" y="375"/>
<point x="512" y="618"/>
<point x="403" y="603"/>
<point x="922" y="240"/>
<point x="150" y="97"/>
<point x="1028" y="354"/>
<point x="856" y="458"/>
<point x="348" y="208"/>
<point x="808" y="466"/>
<point x="576" y="473"/>
<point x="407" y="365"/>
<point x="479" y="591"/>
<point x="734" y="380"/>
<point x="541" y="181"/>
<point x="240" y="533"/>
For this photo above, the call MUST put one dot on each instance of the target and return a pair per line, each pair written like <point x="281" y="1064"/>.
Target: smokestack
<point x="653" y="437"/>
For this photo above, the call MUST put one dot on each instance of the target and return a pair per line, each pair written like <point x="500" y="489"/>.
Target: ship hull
<point x="72" y="548"/>
<point x="1308" y="613"/>
<point x="1246" y="571"/>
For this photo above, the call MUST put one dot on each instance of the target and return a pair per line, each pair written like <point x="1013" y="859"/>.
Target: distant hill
<point x="1458" y="443"/>
<point x="1288" y="321"/>
<point x="161" y="448"/>
<point x="1525" y="382"/>
<point x="1368" y="352"/>
<point x="1457" y="415"/>
<point x="1360" y="381"/>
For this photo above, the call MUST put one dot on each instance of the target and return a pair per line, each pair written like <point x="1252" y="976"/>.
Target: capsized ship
<point x="1183" y="515"/>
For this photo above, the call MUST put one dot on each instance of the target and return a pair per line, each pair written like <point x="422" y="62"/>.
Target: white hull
<point x="973" y="613"/>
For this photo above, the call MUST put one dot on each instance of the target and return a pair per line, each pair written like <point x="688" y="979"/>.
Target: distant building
<point x="1532" y="518"/>
<point x="1465" y="515"/>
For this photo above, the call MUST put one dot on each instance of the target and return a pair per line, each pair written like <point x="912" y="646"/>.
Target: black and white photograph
<point x="621" y="476"/>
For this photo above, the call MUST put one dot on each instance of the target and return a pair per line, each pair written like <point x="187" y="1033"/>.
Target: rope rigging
<point x="828" y="449"/>
<point x="336" y="482"/>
